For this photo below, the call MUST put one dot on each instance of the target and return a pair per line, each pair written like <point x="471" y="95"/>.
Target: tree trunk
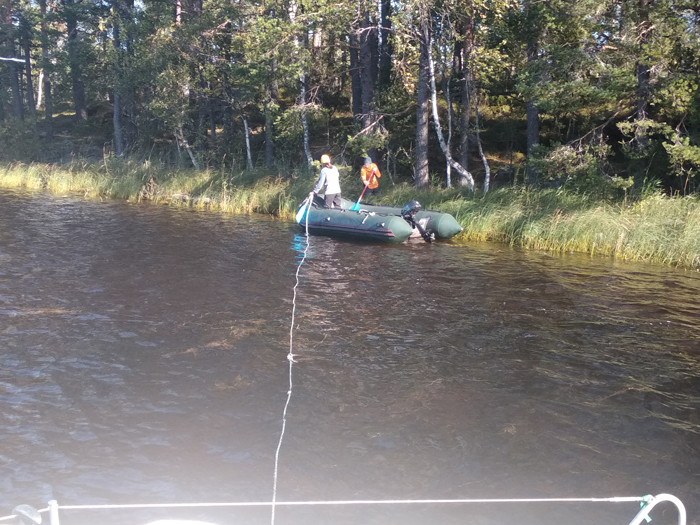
<point x="39" y="90"/>
<point x="464" y="126"/>
<point x="248" y="155"/>
<point x="212" y="123"/>
<point x="16" y="94"/>
<point x="373" y="41"/>
<point x="117" y="108"/>
<point x="274" y="86"/>
<point x="487" y="169"/>
<point x="74" y="59"/>
<point x="202" y="117"/>
<point x="3" y="116"/>
<point x="355" y="75"/>
<point x="386" y="50"/>
<point x="465" y="70"/>
<point x="450" y="119"/>
<point x="292" y="12"/>
<point x="304" y="121"/>
<point x="268" y="135"/>
<point x="28" y="72"/>
<point x="7" y="47"/>
<point x="533" y="122"/>
<point x="643" y="73"/>
<point x="228" y="130"/>
<point x="189" y="149"/>
<point x="422" y="174"/>
<point x="436" y="117"/>
<point x="46" y="70"/>
<point x="117" y="124"/>
<point x="367" y="38"/>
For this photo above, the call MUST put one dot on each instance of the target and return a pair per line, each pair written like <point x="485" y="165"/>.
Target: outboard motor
<point x="410" y="209"/>
<point x="408" y="212"/>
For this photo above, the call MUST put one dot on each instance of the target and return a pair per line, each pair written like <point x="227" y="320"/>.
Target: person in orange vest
<point x="369" y="174"/>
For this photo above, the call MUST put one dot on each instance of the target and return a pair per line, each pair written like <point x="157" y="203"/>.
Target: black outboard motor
<point x="408" y="212"/>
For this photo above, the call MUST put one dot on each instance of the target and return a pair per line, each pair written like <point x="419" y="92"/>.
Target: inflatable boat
<point x="376" y="223"/>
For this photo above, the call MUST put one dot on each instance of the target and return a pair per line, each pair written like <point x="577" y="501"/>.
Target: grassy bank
<point x="135" y="181"/>
<point x="655" y="229"/>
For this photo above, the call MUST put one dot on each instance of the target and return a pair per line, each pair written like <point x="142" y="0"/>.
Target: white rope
<point x="13" y="516"/>
<point x="617" y="499"/>
<point x="290" y="358"/>
<point x="310" y="201"/>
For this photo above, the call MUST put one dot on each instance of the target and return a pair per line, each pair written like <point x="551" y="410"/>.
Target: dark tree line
<point x="590" y="91"/>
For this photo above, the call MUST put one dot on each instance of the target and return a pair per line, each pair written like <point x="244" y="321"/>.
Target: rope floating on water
<point x="290" y="358"/>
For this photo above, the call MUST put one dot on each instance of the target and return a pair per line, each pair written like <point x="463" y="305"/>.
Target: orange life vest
<point x="366" y="173"/>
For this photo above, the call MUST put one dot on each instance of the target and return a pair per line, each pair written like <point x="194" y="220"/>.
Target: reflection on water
<point x="143" y="359"/>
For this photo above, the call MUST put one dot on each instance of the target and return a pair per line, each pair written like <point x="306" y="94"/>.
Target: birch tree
<point x="421" y="170"/>
<point x="436" y="117"/>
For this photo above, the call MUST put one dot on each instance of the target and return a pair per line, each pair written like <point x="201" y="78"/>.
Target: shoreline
<point x="654" y="228"/>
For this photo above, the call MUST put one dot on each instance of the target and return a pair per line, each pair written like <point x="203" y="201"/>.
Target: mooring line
<point x="311" y="503"/>
<point x="290" y="358"/>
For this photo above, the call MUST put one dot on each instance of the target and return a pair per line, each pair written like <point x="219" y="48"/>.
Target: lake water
<point x="143" y="359"/>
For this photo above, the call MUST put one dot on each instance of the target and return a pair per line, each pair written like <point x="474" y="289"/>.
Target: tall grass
<point x="656" y="228"/>
<point x="244" y="192"/>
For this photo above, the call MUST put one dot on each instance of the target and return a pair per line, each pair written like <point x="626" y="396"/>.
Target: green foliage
<point x="685" y="158"/>
<point x="644" y="135"/>
<point x="582" y="169"/>
<point x="360" y="144"/>
<point x="19" y="141"/>
<point x="578" y="61"/>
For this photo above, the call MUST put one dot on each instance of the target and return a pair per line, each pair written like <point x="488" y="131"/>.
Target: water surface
<point x="143" y="360"/>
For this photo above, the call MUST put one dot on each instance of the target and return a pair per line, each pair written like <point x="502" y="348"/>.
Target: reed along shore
<point x="650" y="227"/>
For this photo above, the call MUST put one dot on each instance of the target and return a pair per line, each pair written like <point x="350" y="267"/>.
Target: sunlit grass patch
<point x="655" y="229"/>
<point x="19" y="175"/>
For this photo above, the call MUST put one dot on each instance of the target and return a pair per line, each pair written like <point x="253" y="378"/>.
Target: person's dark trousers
<point x="332" y="200"/>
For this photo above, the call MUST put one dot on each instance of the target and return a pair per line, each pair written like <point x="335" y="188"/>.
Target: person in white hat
<point x="330" y="178"/>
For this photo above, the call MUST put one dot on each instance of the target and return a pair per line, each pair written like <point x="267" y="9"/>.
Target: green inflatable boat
<point x="376" y="223"/>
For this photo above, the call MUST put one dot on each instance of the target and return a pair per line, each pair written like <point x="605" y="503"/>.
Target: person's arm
<point x="377" y="173"/>
<point x="369" y="174"/>
<point x="321" y="181"/>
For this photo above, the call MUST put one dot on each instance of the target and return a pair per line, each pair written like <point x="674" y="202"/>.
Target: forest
<point x="586" y="94"/>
